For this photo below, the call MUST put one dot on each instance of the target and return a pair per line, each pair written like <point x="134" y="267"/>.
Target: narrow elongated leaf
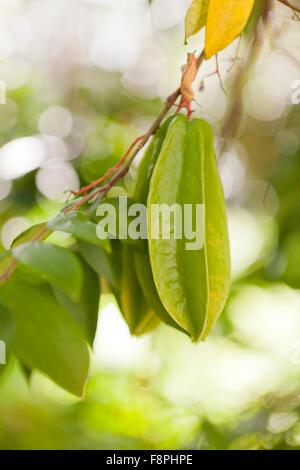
<point x="25" y="273"/>
<point x="105" y="264"/>
<point x="7" y="265"/>
<point x="38" y="232"/>
<point x="47" y="337"/>
<point x="196" y="17"/>
<point x="7" y="261"/>
<point x="7" y="331"/>
<point x="79" y="226"/>
<point x="55" y="264"/>
<point x="85" y="310"/>
<point x="225" y="21"/>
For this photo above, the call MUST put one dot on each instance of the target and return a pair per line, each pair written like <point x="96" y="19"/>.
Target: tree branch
<point x="234" y="113"/>
<point x="125" y="168"/>
<point x="14" y="263"/>
<point x="288" y="4"/>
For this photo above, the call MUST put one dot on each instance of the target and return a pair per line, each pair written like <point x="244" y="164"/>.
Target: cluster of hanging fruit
<point x="155" y="279"/>
<point x="161" y="280"/>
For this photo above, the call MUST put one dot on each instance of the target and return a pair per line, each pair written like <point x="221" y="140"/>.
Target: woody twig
<point x="189" y="74"/>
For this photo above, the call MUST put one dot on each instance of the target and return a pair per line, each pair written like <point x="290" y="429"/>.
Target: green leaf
<point x="47" y="337"/>
<point x="7" y="265"/>
<point x="55" y="264"/>
<point x="196" y="17"/>
<point x="78" y="225"/>
<point x="7" y="331"/>
<point x="27" y="371"/>
<point x="25" y="273"/>
<point x="85" y="311"/>
<point x="7" y="262"/>
<point x="291" y="251"/>
<point x="38" y="232"/>
<point x="120" y="208"/>
<point x="105" y="264"/>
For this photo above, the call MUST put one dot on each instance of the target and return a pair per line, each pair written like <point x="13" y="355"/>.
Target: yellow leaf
<point x="225" y="21"/>
<point x="196" y="17"/>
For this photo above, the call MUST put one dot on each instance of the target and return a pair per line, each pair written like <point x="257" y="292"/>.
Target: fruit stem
<point x="122" y="170"/>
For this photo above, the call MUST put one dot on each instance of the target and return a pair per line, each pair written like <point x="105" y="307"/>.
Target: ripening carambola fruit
<point x="141" y="254"/>
<point x="136" y="311"/>
<point x="193" y="284"/>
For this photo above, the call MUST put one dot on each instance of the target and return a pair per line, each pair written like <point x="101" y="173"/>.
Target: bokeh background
<point x="85" y="77"/>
